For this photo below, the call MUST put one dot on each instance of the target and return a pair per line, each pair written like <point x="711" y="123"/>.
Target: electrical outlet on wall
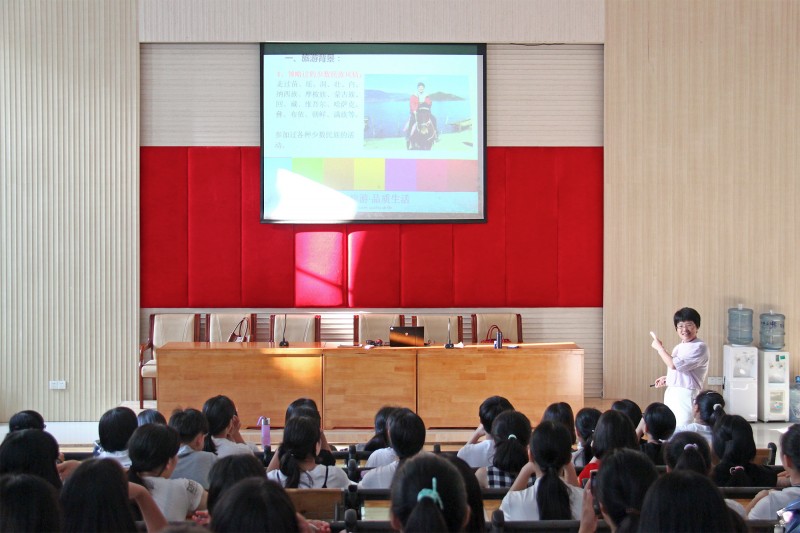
<point x="715" y="380"/>
<point x="58" y="384"/>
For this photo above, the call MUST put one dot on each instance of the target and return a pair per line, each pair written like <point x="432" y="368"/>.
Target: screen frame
<point x="476" y="49"/>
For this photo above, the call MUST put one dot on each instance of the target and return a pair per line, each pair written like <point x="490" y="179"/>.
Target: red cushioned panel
<point x="215" y="227"/>
<point x="164" y="227"/>
<point x="426" y="263"/>
<point x="267" y="249"/>
<point x="531" y="227"/>
<point x="580" y="227"/>
<point x="479" y="249"/>
<point x="373" y="261"/>
<point x="320" y="266"/>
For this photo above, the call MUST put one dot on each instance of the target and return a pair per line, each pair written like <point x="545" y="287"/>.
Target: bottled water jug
<point x="772" y="331"/>
<point x="740" y="326"/>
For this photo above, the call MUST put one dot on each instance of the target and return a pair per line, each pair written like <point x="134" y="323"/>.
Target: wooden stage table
<point x="452" y="384"/>
<point x="445" y="387"/>
<point x="260" y="377"/>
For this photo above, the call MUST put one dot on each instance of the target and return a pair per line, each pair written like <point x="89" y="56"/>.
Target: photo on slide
<point x="417" y="113"/>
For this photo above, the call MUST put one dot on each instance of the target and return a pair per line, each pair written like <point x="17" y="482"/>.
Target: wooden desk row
<point x="445" y="387"/>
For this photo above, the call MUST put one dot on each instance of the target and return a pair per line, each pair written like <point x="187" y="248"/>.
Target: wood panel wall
<point x="702" y="151"/>
<point x="69" y="205"/>
<point x="480" y="21"/>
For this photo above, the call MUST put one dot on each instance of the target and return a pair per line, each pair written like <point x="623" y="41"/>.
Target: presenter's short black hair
<point x="686" y="314"/>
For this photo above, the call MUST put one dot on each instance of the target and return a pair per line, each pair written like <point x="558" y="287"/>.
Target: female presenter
<point x="687" y="366"/>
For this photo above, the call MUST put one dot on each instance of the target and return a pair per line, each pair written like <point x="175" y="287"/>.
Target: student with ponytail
<point x="708" y="407"/>
<point x="768" y="502"/>
<point x="690" y="451"/>
<point x="407" y="436"/>
<point x="585" y="423"/>
<point x="549" y="498"/>
<point x="511" y="432"/>
<point x="657" y="425"/>
<point x="153" y="450"/>
<point x="297" y="456"/>
<point x="619" y="489"/>
<point x="734" y="445"/>
<point x="224" y="437"/>
<point x="428" y="495"/>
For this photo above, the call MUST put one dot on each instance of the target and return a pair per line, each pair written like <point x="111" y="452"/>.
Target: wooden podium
<point x="349" y="384"/>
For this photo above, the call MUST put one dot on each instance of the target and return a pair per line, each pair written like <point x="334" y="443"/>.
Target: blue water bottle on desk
<point x="266" y="440"/>
<point x="498" y="343"/>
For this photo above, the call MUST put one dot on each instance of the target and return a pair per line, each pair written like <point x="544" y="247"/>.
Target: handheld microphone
<point x="284" y="343"/>
<point x="449" y="341"/>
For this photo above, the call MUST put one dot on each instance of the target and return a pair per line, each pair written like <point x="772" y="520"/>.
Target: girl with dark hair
<point x="478" y="452"/>
<point x="687" y="365"/>
<point x="297" y="455"/>
<point x="153" y="450"/>
<point x="707" y="408"/>
<point x="685" y="501"/>
<point x="549" y="498"/>
<point x="386" y="455"/>
<point x="768" y="502"/>
<point x="477" y="514"/>
<point x="26" y="420"/>
<point x="690" y="451"/>
<point x="407" y="435"/>
<point x="224" y="436"/>
<point x="657" y="426"/>
<point x="115" y="429"/>
<point x="428" y="495"/>
<point x="619" y="488"/>
<point x="511" y="433"/>
<point x="28" y="503"/>
<point x="227" y="472"/>
<point x="150" y="416"/>
<point x="614" y="430"/>
<point x="96" y="498"/>
<point x="30" y="451"/>
<point x="630" y="408"/>
<point x="381" y="437"/>
<point x="585" y="424"/>
<point x="561" y="412"/>
<point x="734" y="445"/>
<point x="254" y="505"/>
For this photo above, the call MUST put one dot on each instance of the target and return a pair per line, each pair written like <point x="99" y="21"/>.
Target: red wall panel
<point x="479" y="249"/>
<point x="267" y="249"/>
<point x="580" y="227"/>
<point x="215" y="227"/>
<point x="531" y="227"/>
<point x="426" y="263"/>
<point x="203" y="245"/>
<point x="164" y="231"/>
<point x="373" y="265"/>
<point x="320" y="266"/>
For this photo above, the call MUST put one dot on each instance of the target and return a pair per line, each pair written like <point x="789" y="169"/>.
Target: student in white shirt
<point x="549" y="498"/>
<point x="115" y="429"/>
<point x="767" y="503"/>
<point x="153" y="449"/>
<point x="224" y="437"/>
<point x="298" y="459"/>
<point x="407" y="436"/>
<point x="476" y="452"/>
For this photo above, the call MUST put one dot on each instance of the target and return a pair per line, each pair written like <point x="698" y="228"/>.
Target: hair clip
<point x="690" y="445"/>
<point x="512" y="436"/>
<point x="717" y="405"/>
<point x="735" y="469"/>
<point x="432" y="494"/>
